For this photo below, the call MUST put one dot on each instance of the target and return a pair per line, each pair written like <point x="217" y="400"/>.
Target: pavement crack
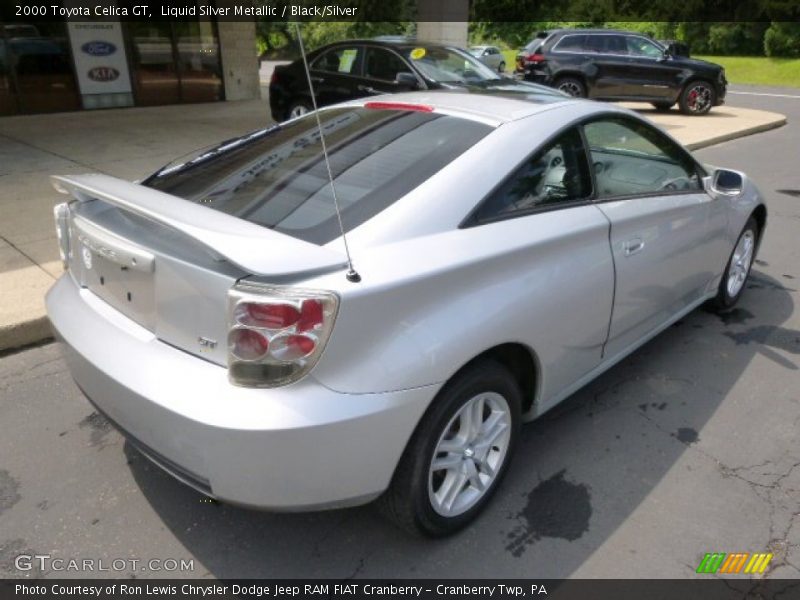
<point x="26" y="255"/>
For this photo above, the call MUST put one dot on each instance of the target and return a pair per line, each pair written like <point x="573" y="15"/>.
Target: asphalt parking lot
<point x="688" y="446"/>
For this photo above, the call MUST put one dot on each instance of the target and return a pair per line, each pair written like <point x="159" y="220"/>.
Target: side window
<point x="383" y="64"/>
<point x="632" y="158"/>
<point x="338" y="60"/>
<point x="558" y="174"/>
<point x="570" y="43"/>
<point x="615" y="44"/>
<point x="638" y="46"/>
<point x="594" y="43"/>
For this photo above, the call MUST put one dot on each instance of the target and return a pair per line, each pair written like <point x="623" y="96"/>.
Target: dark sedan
<point x="357" y="68"/>
<point x="622" y="65"/>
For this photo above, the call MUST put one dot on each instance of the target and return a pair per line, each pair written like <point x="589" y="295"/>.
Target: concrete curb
<point x="726" y="137"/>
<point x="25" y="333"/>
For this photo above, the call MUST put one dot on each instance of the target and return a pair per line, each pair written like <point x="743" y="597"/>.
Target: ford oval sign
<point x="99" y="48"/>
<point x="103" y="74"/>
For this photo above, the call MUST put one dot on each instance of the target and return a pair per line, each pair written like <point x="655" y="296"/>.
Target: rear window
<point x="570" y="43"/>
<point x="277" y="177"/>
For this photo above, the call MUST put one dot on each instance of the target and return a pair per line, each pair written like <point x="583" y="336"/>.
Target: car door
<point x="336" y="74"/>
<point x="667" y="234"/>
<point x="610" y="64"/>
<point x="559" y="281"/>
<point x="381" y="69"/>
<point x="651" y="75"/>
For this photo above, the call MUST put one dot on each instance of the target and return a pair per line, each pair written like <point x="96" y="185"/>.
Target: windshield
<point x="277" y="177"/>
<point x="448" y="65"/>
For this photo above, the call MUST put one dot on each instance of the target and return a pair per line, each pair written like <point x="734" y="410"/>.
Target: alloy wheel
<point x="571" y="88"/>
<point x="297" y="111"/>
<point x="740" y="263"/>
<point x="469" y="454"/>
<point x="698" y="98"/>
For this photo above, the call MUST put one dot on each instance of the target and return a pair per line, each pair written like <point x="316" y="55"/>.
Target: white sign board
<point x="99" y="53"/>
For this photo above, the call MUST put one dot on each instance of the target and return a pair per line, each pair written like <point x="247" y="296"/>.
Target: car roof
<point x="582" y="31"/>
<point x="402" y="43"/>
<point x="493" y="109"/>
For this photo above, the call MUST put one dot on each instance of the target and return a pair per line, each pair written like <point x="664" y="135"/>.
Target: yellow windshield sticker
<point x="417" y="53"/>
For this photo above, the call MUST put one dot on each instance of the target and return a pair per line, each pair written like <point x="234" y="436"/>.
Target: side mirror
<point x="407" y="79"/>
<point x="727" y="183"/>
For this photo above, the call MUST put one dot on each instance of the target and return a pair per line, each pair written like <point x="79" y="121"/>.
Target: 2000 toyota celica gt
<point x="504" y="253"/>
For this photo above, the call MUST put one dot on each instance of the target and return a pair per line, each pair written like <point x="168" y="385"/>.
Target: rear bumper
<point x="299" y="447"/>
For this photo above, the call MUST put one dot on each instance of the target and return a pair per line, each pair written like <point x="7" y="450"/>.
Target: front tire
<point x="501" y="67"/>
<point x="458" y="454"/>
<point x="572" y="86"/>
<point x="697" y="98"/>
<point x="738" y="269"/>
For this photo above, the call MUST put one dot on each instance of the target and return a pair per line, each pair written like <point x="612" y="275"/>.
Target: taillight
<point x="398" y="106"/>
<point x="277" y="334"/>
<point x="61" y="215"/>
<point x="535" y="58"/>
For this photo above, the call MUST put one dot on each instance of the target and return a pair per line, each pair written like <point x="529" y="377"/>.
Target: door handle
<point x="633" y="246"/>
<point x="368" y="89"/>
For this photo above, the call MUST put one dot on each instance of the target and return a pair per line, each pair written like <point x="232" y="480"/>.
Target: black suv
<point x="358" y="68"/>
<point x="621" y="65"/>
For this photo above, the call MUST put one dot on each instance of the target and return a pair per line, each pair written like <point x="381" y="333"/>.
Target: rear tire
<point x="663" y="106"/>
<point x="298" y="109"/>
<point x="572" y="86"/>
<point x="697" y="98"/>
<point x="738" y="269"/>
<point x="458" y="454"/>
<point x="501" y="68"/>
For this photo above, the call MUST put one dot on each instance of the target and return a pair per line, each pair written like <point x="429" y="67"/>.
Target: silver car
<point x="504" y="253"/>
<point x="491" y="56"/>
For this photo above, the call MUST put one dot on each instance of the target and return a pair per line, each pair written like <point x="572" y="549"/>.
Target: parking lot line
<point x="764" y="94"/>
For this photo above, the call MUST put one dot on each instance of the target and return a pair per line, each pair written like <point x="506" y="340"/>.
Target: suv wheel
<point x="572" y="86"/>
<point x="697" y="98"/>
<point x="458" y="454"/>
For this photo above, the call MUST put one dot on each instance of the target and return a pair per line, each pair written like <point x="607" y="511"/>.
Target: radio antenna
<point x="352" y="275"/>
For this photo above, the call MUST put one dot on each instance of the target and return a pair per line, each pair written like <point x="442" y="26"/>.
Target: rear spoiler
<point x="256" y="249"/>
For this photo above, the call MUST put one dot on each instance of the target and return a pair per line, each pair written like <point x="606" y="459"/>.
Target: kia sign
<point x="101" y="64"/>
<point x="98" y="48"/>
<point x="102" y="74"/>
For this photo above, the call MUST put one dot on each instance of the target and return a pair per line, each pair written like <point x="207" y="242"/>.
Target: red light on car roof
<point x="398" y="106"/>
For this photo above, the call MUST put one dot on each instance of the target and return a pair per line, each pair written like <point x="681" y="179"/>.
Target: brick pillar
<point x="237" y="42"/>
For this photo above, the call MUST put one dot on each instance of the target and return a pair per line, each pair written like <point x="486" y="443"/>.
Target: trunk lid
<point x="167" y="263"/>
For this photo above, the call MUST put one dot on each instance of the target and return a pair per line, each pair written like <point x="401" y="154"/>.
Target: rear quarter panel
<point x="427" y="306"/>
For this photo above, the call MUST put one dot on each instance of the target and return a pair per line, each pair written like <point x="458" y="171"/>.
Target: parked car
<point x="503" y="253"/>
<point x="620" y="65"/>
<point x="358" y="68"/>
<point x="491" y="56"/>
<point x="528" y="54"/>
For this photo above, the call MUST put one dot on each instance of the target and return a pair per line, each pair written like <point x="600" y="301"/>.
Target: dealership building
<point x="84" y="65"/>
<point x="53" y="66"/>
